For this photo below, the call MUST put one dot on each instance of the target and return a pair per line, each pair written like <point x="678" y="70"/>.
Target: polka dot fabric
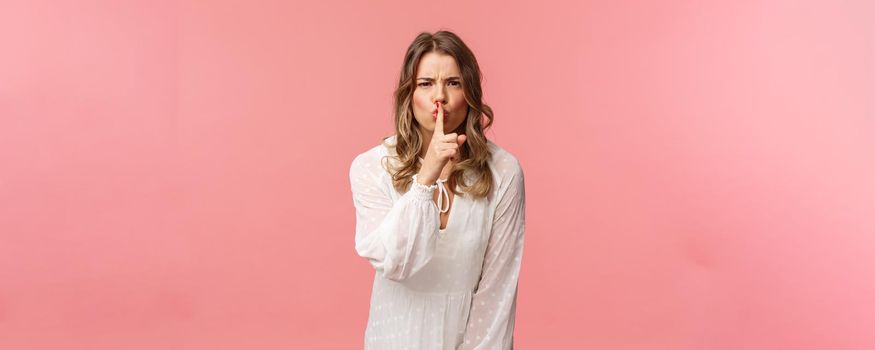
<point x="452" y="288"/>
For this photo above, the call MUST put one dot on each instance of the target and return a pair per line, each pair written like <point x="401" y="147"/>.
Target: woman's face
<point x="438" y="79"/>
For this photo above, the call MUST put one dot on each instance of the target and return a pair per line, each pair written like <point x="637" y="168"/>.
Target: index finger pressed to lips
<point x="439" y="120"/>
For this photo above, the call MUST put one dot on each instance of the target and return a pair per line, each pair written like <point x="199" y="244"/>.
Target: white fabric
<point x="443" y="192"/>
<point x="452" y="288"/>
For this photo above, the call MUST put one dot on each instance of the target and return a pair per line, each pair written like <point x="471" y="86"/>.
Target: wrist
<point x="421" y="190"/>
<point x="424" y="180"/>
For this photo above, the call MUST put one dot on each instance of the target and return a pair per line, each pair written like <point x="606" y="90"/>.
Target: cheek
<point x="421" y="98"/>
<point x="423" y="103"/>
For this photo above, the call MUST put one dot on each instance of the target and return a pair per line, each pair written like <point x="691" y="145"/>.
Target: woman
<point x="440" y="211"/>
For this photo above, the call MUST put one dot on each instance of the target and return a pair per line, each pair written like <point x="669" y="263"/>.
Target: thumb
<point x="461" y="139"/>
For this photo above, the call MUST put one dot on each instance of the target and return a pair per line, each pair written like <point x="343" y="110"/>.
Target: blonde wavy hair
<point x="475" y="152"/>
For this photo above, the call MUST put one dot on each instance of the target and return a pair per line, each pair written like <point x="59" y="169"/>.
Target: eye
<point x="423" y="83"/>
<point x="456" y="83"/>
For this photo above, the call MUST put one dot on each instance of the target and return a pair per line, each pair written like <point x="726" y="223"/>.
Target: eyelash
<point x="454" y="82"/>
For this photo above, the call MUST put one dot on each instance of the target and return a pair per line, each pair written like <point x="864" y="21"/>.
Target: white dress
<point x="439" y="289"/>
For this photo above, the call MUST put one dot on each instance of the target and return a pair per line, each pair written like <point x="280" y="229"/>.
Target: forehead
<point x="434" y="63"/>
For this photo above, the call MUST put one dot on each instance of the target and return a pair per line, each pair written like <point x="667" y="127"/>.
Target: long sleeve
<point x="398" y="238"/>
<point x="491" y="319"/>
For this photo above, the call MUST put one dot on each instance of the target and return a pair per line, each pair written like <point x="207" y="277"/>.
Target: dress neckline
<point x="452" y="213"/>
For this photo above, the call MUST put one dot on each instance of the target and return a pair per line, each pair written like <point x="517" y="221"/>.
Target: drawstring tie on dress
<point x="442" y="191"/>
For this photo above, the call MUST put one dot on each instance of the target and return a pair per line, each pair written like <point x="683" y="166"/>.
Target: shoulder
<point x="503" y="163"/>
<point x="507" y="172"/>
<point x="371" y="160"/>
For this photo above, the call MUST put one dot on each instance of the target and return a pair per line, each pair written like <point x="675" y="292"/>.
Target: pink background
<point x="174" y="175"/>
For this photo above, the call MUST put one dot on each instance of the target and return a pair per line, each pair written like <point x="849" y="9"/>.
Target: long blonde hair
<point x="475" y="152"/>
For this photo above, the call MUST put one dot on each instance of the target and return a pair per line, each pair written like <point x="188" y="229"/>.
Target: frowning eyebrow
<point x="432" y="79"/>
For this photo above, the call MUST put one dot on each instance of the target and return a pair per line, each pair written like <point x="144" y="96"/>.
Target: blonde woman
<point x="440" y="211"/>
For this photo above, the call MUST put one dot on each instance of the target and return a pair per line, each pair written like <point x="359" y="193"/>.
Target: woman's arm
<point x="397" y="238"/>
<point x="491" y="319"/>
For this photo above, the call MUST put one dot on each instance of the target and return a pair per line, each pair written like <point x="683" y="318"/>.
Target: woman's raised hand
<point x="443" y="152"/>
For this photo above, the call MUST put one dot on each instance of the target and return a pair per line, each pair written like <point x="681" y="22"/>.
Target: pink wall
<point x="174" y="175"/>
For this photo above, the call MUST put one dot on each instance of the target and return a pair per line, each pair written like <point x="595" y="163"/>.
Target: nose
<point x="439" y="95"/>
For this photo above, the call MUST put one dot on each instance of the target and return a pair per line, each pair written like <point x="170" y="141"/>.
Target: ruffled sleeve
<point x="491" y="319"/>
<point x="397" y="237"/>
